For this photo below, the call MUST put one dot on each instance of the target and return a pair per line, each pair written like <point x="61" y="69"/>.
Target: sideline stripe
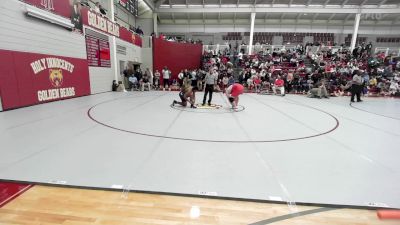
<point x="395" y="118"/>
<point x="12" y="197"/>
<point x="292" y="215"/>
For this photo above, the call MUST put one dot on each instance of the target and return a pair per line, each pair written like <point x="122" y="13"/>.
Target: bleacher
<point x="232" y="36"/>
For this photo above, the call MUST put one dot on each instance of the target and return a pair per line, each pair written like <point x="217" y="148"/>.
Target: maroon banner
<point x="60" y="7"/>
<point x="82" y="15"/>
<point x="29" y="79"/>
<point x="99" y="22"/>
<point x="128" y="36"/>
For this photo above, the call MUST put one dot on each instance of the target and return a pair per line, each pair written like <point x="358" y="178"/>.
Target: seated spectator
<point x="114" y="85"/>
<point x="121" y="87"/>
<point x="134" y="83"/>
<point x="145" y="82"/>
<point x="280" y="85"/>
<point x="394" y="87"/>
<point x="257" y="83"/>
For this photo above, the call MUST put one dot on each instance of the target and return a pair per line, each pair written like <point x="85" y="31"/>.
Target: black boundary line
<point x="215" y="141"/>
<point x="351" y="105"/>
<point x="292" y="215"/>
<point x="198" y="196"/>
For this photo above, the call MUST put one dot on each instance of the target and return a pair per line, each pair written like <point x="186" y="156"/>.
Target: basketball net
<point x="48" y="4"/>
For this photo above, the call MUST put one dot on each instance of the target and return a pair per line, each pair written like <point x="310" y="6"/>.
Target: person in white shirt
<point x="180" y="78"/>
<point x="157" y="79"/>
<point x="150" y="76"/>
<point x="166" y="76"/>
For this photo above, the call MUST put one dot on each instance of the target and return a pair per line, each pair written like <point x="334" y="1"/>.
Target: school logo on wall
<point x="56" y="77"/>
<point x="47" y="4"/>
<point x="55" y="67"/>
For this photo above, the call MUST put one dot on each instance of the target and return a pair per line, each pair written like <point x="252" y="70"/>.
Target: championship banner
<point x="59" y="7"/>
<point x="29" y="78"/>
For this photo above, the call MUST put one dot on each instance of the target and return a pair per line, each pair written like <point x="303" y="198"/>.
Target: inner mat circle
<point x="213" y="108"/>
<point x="271" y="121"/>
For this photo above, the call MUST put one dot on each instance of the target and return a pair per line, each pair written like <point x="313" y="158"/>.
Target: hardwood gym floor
<point x="70" y="206"/>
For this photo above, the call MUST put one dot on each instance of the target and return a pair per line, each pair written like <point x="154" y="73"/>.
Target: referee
<point x="210" y="81"/>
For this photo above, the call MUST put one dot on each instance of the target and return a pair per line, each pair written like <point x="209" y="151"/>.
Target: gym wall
<point x="30" y="52"/>
<point x="42" y="62"/>
<point x="176" y="56"/>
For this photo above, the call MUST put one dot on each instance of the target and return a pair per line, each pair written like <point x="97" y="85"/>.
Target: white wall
<point x="133" y="55"/>
<point x="27" y="34"/>
<point x="124" y="18"/>
<point x="147" y="59"/>
<point x="146" y="23"/>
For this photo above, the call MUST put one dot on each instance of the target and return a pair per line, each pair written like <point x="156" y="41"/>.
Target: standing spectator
<point x="356" y="87"/>
<point x="210" y="81"/>
<point x="157" y="79"/>
<point x="166" y="76"/>
<point x="199" y="78"/>
<point x="225" y="81"/>
<point x="150" y="76"/>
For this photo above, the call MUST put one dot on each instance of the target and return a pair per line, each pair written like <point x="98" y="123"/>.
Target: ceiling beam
<point x="158" y="3"/>
<point x="315" y="17"/>
<point x="347" y="18"/>
<point x="326" y="3"/>
<point x="309" y="2"/>
<point x="363" y="3"/>
<point x="396" y="20"/>
<point x="331" y="17"/>
<point x="344" y="10"/>
<point x="382" y="2"/>
<point x="344" y="2"/>
<point x="290" y="3"/>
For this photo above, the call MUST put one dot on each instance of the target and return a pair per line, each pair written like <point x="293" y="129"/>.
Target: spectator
<point x="114" y="85"/>
<point x="157" y="79"/>
<point x="280" y="85"/>
<point x="166" y="76"/>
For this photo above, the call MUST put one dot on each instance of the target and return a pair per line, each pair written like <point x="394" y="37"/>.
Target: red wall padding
<point x="176" y="56"/>
<point x="20" y="86"/>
